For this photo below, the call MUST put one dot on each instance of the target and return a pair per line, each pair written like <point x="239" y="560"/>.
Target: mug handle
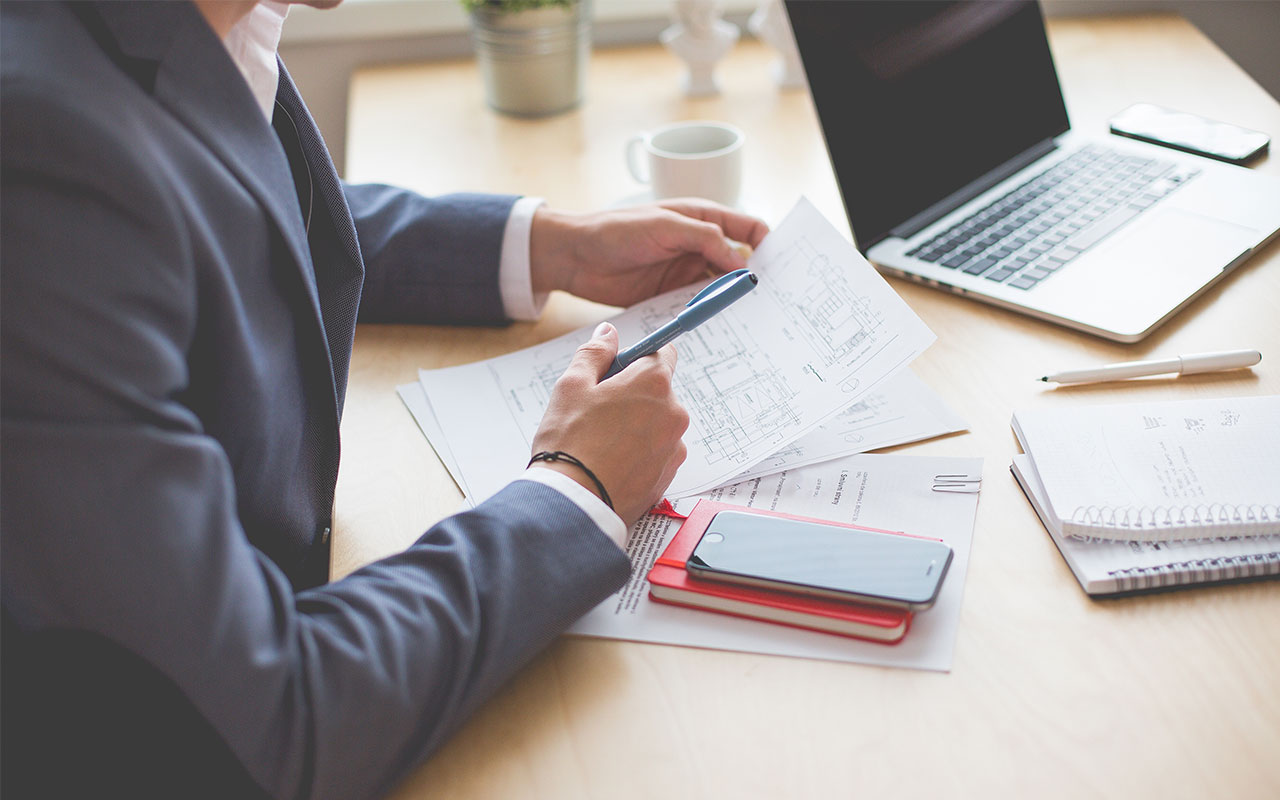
<point x="634" y="164"/>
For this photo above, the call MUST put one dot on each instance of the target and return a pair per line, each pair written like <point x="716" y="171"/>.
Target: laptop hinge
<point x="971" y="190"/>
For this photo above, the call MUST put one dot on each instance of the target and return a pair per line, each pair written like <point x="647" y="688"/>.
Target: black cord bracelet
<point x="560" y="455"/>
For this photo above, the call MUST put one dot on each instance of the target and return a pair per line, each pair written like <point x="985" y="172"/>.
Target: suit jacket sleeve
<point x="429" y="260"/>
<point x="120" y="515"/>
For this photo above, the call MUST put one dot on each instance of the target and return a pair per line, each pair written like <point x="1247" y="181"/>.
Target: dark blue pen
<point x="719" y="295"/>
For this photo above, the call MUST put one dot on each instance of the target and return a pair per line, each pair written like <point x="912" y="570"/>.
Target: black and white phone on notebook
<point x="949" y="137"/>
<point x="811" y="558"/>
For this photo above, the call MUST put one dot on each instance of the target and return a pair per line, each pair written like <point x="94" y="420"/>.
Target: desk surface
<point x="1051" y="693"/>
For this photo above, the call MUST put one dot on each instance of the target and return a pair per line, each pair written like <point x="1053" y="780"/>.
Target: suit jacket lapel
<point x="339" y="268"/>
<point x="198" y="83"/>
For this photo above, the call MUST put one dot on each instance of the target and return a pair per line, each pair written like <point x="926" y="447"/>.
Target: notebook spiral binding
<point x="1203" y="570"/>
<point x="1239" y="518"/>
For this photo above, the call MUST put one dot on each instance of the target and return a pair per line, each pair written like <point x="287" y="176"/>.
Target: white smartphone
<point x="1190" y="133"/>
<point x="822" y="560"/>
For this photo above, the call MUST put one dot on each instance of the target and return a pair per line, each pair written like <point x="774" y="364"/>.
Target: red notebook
<point x="670" y="583"/>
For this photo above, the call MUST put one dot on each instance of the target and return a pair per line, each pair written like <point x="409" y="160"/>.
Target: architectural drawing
<point x="822" y="301"/>
<point x="820" y="330"/>
<point x="735" y="398"/>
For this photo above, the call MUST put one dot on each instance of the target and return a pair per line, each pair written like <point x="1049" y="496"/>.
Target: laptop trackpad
<point x="1150" y="267"/>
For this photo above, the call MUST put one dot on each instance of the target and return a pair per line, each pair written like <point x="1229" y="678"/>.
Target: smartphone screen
<point x="823" y="560"/>
<point x="1189" y="133"/>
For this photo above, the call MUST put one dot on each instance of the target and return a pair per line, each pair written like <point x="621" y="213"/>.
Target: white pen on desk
<point x="1182" y="365"/>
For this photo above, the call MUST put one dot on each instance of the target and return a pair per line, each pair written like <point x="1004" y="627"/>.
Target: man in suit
<point x="182" y="276"/>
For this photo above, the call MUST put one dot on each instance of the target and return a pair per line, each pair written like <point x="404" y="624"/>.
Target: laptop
<point x="958" y="168"/>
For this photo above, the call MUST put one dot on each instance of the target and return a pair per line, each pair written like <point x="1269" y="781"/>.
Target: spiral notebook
<point x="1157" y="472"/>
<point x="1113" y="568"/>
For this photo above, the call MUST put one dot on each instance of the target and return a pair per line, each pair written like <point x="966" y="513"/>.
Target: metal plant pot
<point x="534" y="61"/>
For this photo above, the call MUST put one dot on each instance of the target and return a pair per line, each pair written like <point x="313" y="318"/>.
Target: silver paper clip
<point x="959" y="482"/>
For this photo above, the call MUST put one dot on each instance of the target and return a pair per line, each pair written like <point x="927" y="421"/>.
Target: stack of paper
<point x="809" y="368"/>
<point x="904" y="410"/>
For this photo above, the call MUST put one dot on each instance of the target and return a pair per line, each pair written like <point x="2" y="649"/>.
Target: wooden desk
<point x="1052" y="694"/>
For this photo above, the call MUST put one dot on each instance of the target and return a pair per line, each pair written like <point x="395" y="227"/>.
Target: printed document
<point x="820" y="332"/>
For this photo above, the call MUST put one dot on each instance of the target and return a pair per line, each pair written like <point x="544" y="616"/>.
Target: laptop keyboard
<point x="1039" y="227"/>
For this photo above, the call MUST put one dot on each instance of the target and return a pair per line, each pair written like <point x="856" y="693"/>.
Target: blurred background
<point x="323" y="48"/>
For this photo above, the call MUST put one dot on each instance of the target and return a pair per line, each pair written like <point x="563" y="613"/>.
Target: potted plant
<point x="532" y="53"/>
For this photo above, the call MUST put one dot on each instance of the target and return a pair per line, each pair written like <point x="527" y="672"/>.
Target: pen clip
<point x="716" y="285"/>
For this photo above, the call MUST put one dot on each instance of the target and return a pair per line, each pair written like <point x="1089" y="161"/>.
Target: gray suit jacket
<point x="180" y="288"/>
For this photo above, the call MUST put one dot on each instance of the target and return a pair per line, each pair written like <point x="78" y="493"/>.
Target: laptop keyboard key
<point x="1102" y="228"/>
<point x="980" y="266"/>
<point x="1059" y="257"/>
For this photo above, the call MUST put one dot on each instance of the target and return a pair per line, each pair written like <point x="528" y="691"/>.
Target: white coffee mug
<point x="689" y="159"/>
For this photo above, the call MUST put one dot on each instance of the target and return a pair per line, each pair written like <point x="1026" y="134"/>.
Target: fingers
<point x="658" y="366"/>
<point x="594" y="357"/>
<point x="661" y="364"/>
<point x="686" y="236"/>
<point x="733" y="224"/>
<point x="628" y="429"/>
<point x="667" y="356"/>
<point x="720" y="254"/>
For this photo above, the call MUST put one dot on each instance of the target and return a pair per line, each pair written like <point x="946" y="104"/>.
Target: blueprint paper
<point x="414" y="398"/>
<point x="891" y="492"/>
<point x="903" y="410"/>
<point x="821" y="330"/>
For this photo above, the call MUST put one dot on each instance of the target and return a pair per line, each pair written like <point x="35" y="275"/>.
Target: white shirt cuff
<point x="515" y="280"/>
<point x="592" y="506"/>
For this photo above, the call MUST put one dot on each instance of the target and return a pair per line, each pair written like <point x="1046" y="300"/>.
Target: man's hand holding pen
<point x="627" y="429"/>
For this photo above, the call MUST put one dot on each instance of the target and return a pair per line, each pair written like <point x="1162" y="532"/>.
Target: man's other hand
<point x="623" y="256"/>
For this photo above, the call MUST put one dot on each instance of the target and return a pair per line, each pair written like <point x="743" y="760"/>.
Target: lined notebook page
<point x="1159" y="471"/>
<point x="1110" y="567"/>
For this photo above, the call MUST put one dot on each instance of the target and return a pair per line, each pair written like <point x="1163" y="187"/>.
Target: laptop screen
<point x="918" y="99"/>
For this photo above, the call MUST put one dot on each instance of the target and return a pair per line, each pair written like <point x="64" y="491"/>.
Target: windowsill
<point x="374" y="19"/>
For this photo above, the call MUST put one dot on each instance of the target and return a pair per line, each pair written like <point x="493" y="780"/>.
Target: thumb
<point x="596" y="355"/>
